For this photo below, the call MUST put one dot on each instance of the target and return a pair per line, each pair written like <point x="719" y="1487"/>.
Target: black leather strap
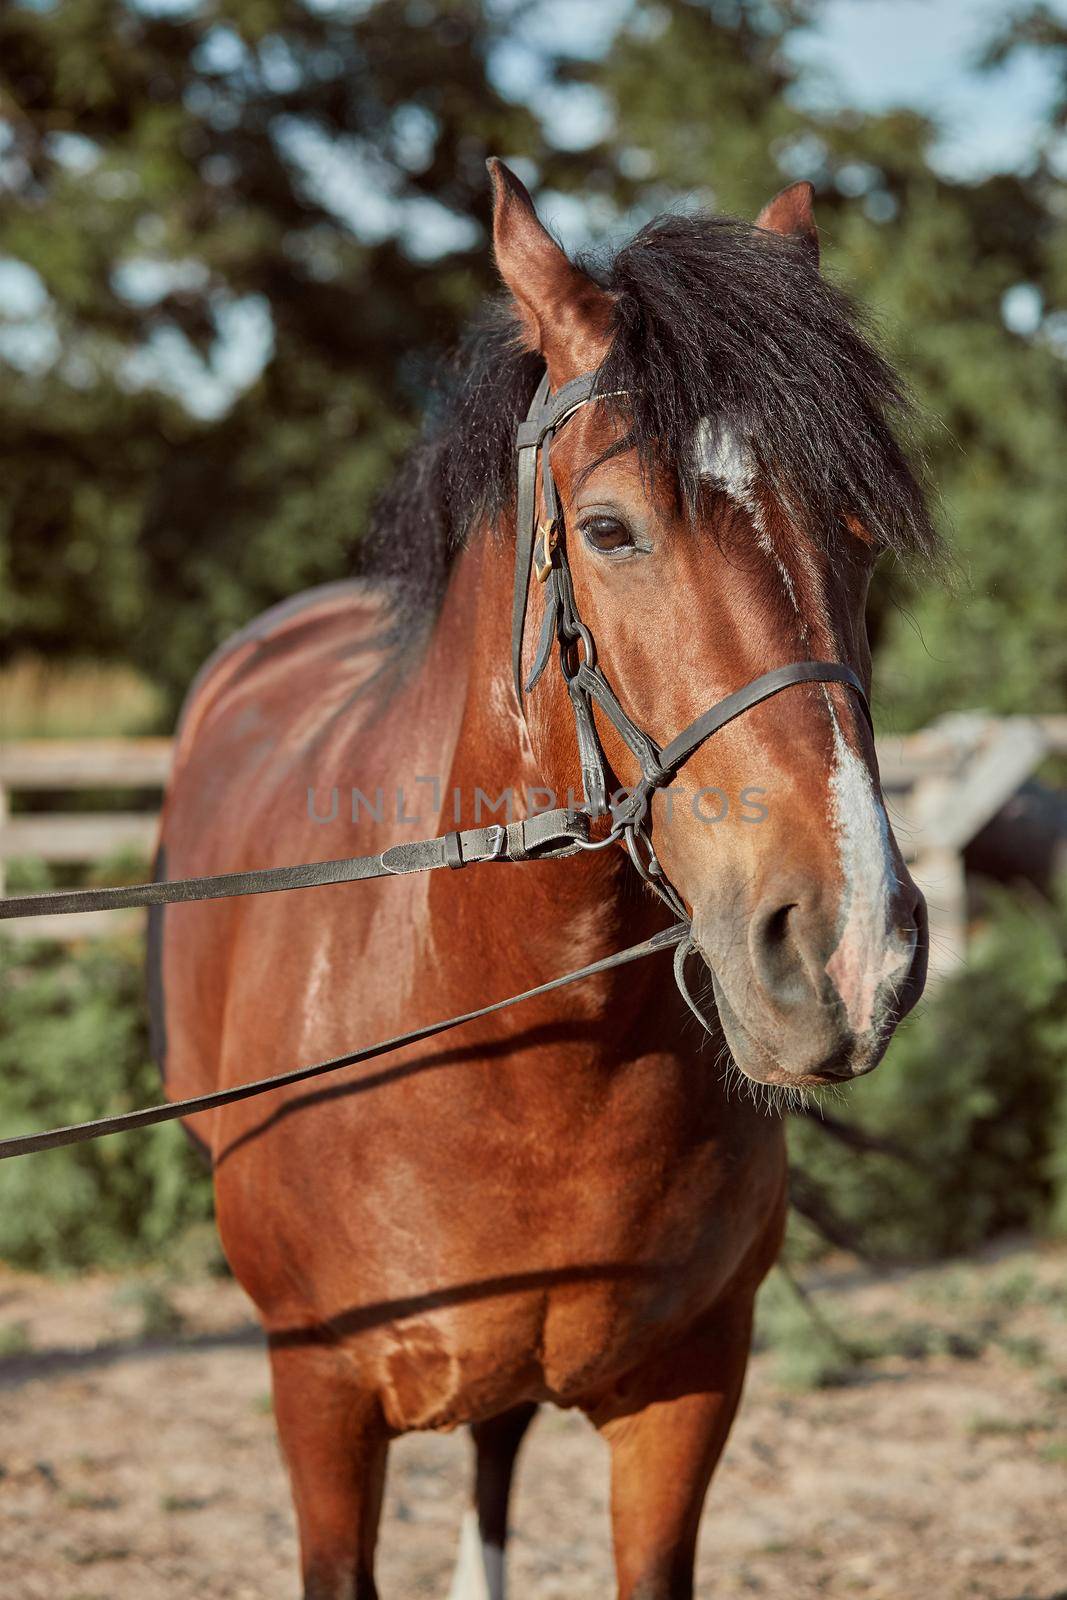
<point x="592" y="682"/>
<point x="528" y="444"/>
<point x="548" y="836"/>
<point x="547" y="411"/>
<point x="678" y="752"/>
<point x="77" y="1133"/>
<point x="549" y="630"/>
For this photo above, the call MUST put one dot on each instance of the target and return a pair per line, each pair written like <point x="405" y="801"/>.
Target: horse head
<point x="723" y="502"/>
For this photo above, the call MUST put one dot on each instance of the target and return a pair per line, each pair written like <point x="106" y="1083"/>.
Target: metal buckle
<point x="496" y="837"/>
<point x="544" y="550"/>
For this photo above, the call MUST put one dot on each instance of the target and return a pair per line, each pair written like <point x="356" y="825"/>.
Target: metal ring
<point x="613" y="837"/>
<point x="582" y="636"/>
<point x="650" y="868"/>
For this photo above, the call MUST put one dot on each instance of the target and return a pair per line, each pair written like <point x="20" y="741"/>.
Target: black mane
<point x="715" y="320"/>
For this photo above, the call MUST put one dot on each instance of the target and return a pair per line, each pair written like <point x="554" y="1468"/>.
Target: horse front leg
<point x="334" y="1441"/>
<point x="666" y="1425"/>
<point x="479" y="1573"/>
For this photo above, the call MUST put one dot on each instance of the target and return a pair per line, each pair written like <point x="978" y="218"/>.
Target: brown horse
<point x="567" y="1202"/>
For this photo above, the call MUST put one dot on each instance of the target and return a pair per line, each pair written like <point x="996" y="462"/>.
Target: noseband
<point x="541" y="552"/>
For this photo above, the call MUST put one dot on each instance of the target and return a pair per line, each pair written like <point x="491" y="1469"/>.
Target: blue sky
<point x="922" y="53"/>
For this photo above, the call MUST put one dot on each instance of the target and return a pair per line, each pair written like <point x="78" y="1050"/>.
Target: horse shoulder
<point x="265" y="715"/>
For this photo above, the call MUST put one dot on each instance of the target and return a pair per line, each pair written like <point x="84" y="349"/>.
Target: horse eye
<point x="607" y="534"/>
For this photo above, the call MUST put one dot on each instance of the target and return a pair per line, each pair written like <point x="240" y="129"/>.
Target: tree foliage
<point x="182" y="187"/>
<point x="190" y="192"/>
<point x="969" y="1110"/>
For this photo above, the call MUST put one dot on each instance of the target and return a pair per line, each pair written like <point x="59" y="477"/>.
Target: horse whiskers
<point x="774" y="1099"/>
<point x="825" y="1091"/>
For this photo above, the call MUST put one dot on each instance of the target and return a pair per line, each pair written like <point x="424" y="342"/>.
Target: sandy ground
<point x="134" y="1465"/>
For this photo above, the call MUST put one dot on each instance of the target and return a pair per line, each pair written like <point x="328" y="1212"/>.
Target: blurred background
<point x="235" y="235"/>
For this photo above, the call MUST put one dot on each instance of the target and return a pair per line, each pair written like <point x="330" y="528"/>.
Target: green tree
<point x="302" y="187"/>
<point x="180" y="191"/>
<point x="966" y="281"/>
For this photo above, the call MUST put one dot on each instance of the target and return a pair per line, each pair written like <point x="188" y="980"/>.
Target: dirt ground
<point x="137" y="1453"/>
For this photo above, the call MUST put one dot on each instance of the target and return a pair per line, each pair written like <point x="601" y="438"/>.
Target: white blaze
<point x="724" y="459"/>
<point x="868" y="952"/>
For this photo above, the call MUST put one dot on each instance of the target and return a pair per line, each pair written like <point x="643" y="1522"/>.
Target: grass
<point x="1024" y="1350"/>
<point x="90" y="1558"/>
<point x="819" y="1342"/>
<point x="171" y="1503"/>
<point x="1006" y="1427"/>
<point x="158" y="1316"/>
<point x="75" y="700"/>
<point x="81" y="1500"/>
<point x="14" y="1340"/>
<point x="811" y="1353"/>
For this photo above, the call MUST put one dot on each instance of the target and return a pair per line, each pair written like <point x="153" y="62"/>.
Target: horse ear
<point x="564" y="315"/>
<point x="791" y="213"/>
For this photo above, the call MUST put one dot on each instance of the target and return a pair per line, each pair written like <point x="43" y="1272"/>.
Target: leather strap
<point x="547" y="411"/>
<point x="549" y="630"/>
<point x="549" y="835"/>
<point x="528" y="444"/>
<point x="677" y="753"/>
<point x="25" y="1144"/>
<point x="688" y="742"/>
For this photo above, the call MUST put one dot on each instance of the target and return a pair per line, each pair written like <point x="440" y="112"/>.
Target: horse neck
<point x="473" y="644"/>
<point x="493" y="753"/>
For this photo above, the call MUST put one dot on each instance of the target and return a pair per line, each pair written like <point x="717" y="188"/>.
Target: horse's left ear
<point x="563" y="313"/>
<point x="791" y="213"/>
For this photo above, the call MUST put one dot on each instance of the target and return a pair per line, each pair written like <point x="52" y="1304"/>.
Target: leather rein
<point x="550" y="835"/>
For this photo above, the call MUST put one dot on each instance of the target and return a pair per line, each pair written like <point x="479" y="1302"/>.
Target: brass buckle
<point x="544" y="550"/>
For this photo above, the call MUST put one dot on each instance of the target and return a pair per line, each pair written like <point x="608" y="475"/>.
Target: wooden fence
<point x="69" y="766"/>
<point x="942" y="787"/>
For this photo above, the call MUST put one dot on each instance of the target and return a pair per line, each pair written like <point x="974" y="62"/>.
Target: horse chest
<point x="505" y="1254"/>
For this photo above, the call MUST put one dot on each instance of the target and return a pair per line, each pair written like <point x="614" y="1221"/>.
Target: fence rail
<point x="71" y="766"/>
<point x="942" y="786"/>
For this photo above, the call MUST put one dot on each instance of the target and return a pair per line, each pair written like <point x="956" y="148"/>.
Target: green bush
<point x="973" y="1093"/>
<point x="74" y="1045"/>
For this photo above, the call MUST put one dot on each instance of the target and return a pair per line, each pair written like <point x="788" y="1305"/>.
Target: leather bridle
<point x="541" y="553"/>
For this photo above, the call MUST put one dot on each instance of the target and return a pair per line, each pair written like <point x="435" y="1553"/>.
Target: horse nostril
<point x="776" y="955"/>
<point x="776" y="931"/>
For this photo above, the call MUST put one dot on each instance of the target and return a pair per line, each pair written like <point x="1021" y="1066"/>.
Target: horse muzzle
<point x="798" y="1012"/>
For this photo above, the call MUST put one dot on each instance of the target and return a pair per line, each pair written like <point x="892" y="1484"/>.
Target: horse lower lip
<point x="775" y="1075"/>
